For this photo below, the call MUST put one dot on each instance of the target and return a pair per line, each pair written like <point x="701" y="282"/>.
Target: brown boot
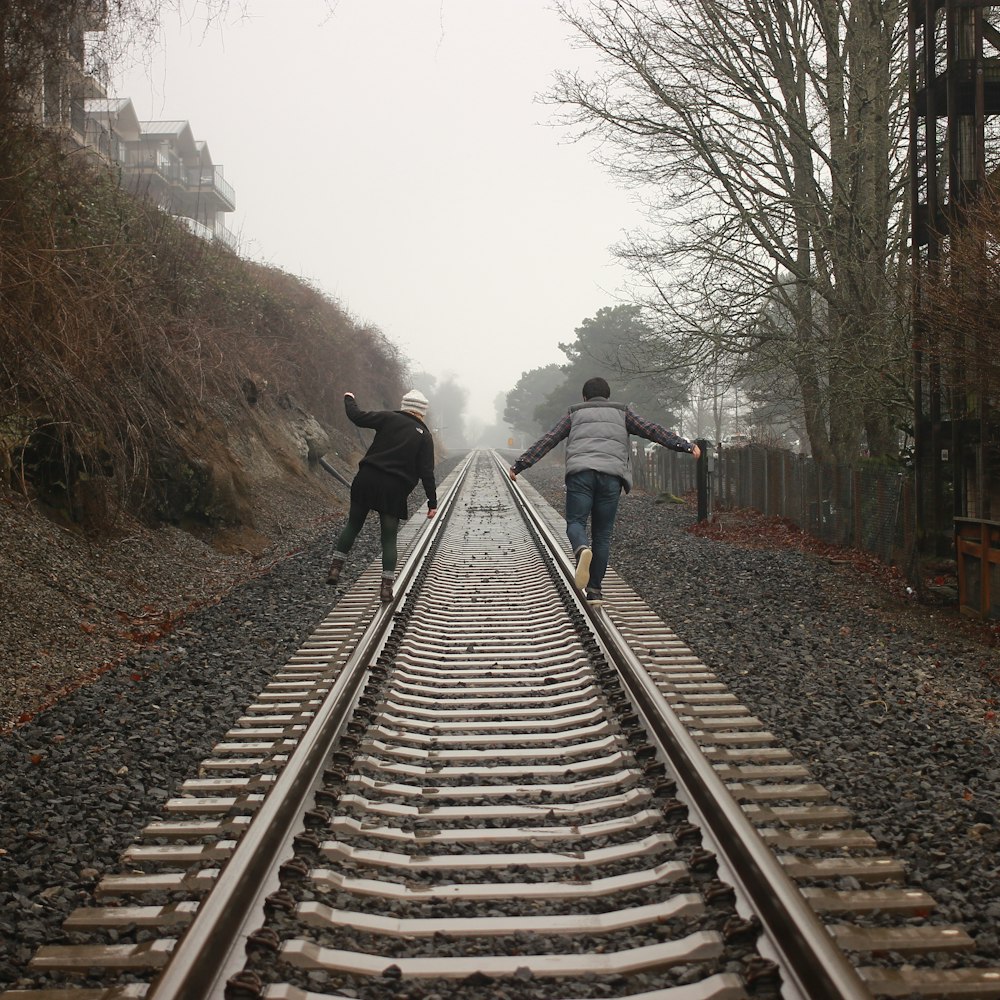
<point x="385" y="592"/>
<point x="334" y="575"/>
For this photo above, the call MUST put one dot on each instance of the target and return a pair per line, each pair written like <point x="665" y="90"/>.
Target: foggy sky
<point x="393" y="152"/>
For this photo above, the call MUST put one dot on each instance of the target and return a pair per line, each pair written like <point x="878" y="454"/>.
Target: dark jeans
<point x="592" y="495"/>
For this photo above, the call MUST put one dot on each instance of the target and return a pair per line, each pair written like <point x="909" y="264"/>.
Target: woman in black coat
<point x="401" y="454"/>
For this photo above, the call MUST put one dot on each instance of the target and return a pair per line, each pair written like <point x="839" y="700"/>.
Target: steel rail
<point x="809" y="959"/>
<point x="207" y="953"/>
<point x="483" y="641"/>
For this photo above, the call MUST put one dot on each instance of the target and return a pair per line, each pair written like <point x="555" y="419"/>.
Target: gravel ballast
<point x="890" y="708"/>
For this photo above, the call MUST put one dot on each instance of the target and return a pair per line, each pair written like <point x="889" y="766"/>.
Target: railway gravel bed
<point x="869" y="693"/>
<point x="861" y="694"/>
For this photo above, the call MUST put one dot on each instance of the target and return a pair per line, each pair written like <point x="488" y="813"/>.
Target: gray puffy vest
<point x="598" y="440"/>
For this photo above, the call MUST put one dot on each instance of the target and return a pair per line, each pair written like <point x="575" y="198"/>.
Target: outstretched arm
<point x="363" y="418"/>
<point x="541" y="447"/>
<point x="637" y="425"/>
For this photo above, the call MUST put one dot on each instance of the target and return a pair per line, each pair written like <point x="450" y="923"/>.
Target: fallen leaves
<point x="753" y="530"/>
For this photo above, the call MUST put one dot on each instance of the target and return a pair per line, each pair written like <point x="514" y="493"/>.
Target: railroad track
<point x="491" y="789"/>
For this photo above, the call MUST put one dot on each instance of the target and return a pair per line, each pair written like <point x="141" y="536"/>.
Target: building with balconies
<point x="163" y="162"/>
<point x="63" y="85"/>
<point x="60" y="67"/>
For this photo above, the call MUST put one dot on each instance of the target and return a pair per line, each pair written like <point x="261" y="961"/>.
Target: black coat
<point x="403" y="447"/>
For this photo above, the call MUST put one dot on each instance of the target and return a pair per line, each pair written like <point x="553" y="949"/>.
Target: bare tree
<point x="771" y="132"/>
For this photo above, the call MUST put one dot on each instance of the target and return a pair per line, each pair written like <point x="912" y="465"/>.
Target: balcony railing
<point x="198" y="228"/>
<point x="96" y="67"/>
<point x="227" y="236"/>
<point x="211" y="178"/>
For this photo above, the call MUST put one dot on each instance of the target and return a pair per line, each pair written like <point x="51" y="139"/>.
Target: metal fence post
<point x="784" y="483"/>
<point x="856" y="501"/>
<point x="701" y="480"/>
<point x="767" y="483"/>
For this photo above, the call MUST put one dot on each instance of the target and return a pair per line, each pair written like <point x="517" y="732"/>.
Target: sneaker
<point x="334" y="575"/>
<point x="385" y="591"/>
<point x="595" y="597"/>
<point x="583" y="557"/>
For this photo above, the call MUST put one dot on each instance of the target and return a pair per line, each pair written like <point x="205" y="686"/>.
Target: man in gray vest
<point x="598" y="466"/>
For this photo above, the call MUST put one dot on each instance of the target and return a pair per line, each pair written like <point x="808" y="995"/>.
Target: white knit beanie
<point x="415" y="401"/>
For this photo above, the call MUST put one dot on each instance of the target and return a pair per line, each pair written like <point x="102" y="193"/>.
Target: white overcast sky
<point x="395" y="154"/>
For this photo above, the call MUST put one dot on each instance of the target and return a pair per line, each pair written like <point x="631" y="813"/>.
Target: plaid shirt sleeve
<point x="641" y="427"/>
<point x="543" y="445"/>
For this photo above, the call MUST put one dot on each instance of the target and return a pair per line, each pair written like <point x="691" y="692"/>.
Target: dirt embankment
<point x="76" y="601"/>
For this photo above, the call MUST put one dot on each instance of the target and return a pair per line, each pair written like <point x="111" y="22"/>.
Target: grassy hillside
<point x="146" y="372"/>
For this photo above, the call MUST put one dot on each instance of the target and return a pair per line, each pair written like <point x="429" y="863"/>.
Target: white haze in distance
<point x="394" y="153"/>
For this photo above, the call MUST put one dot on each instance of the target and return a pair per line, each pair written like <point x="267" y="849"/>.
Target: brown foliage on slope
<point x="139" y="362"/>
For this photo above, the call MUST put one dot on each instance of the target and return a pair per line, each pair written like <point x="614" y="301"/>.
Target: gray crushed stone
<point x="887" y="709"/>
<point x="890" y="706"/>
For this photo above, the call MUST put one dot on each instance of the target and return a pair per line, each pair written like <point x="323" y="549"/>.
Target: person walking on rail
<point x="598" y="467"/>
<point x="401" y="454"/>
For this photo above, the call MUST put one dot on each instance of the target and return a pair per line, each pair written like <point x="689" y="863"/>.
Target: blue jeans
<point x="592" y="495"/>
